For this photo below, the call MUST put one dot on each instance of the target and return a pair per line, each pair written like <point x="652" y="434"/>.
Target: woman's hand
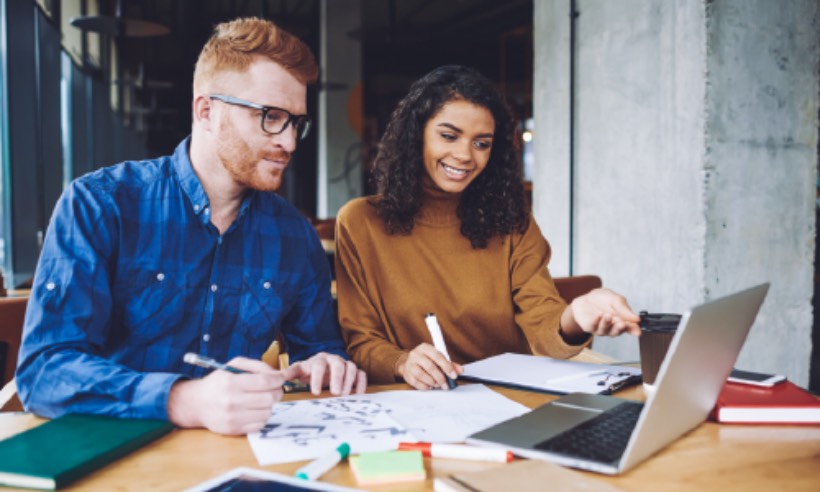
<point x="600" y="312"/>
<point x="424" y="368"/>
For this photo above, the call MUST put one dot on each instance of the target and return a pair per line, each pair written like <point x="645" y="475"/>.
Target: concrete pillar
<point x="340" y="106"/>
<point x="695" y="158"/>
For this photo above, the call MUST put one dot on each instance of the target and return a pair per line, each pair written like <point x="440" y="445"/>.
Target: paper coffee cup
<point x="657" y="331"/>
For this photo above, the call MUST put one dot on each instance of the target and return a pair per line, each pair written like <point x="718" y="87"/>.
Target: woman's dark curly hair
<point x="493" y="204"/>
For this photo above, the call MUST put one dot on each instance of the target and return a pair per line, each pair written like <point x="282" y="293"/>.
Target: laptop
<point x="610" y="435"/>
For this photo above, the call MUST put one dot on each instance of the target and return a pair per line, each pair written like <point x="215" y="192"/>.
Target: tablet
<point x="252" y="480"/>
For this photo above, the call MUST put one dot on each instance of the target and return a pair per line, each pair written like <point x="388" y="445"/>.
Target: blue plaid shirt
<point x="133" y="275"/>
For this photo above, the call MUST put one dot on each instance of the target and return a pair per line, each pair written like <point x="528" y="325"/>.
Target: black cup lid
<point x="659" y="321"/>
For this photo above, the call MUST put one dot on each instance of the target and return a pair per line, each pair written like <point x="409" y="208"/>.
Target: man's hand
<point x="424" y="368"/>
<point x="225" y="402"/>
<point x="322" y="370"/>
<point x="600" y="312"/>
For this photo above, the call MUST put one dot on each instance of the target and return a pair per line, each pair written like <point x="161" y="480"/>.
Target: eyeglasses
<point x="274" y="120"/>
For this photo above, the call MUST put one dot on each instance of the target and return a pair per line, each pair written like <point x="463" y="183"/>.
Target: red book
<point x="783" y="403"/>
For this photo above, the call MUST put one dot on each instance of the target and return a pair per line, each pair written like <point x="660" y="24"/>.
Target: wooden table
<point x="712" y="457"/>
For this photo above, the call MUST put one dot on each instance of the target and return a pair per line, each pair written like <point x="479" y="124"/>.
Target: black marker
<point x="209" y="363"/>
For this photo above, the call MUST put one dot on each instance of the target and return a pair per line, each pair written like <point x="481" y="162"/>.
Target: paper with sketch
<point x="307" y="429"/>
<point x="552" y="375"/>
<point x="449" y="416"/>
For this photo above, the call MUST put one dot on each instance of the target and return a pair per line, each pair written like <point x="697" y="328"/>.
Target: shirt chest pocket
<point x="263" y="305"/>
<point x="150" y="304"/>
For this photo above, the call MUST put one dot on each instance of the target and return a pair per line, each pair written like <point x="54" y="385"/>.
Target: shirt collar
<point x="189" y="181"/>
<point x="192" y="187"/>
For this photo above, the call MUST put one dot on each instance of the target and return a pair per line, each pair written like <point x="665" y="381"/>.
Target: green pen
<point x="319" y="467"/>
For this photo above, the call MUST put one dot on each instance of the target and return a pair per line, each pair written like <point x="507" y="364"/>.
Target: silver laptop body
<point x="700" y="357"/>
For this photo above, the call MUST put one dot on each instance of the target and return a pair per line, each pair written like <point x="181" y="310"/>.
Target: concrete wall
<point x="695" y="158"/>
<point x="340" y="107"/>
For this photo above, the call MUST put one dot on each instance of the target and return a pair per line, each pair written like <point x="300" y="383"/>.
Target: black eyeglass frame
<point x="295" y="119"/>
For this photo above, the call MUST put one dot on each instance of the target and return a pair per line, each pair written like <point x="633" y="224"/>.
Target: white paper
<point x="307" y="429"/>
<point x="548" y="374"/>
<point x="452" y="415"/>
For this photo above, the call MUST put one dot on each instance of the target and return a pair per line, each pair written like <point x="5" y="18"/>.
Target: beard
<point x="247" y="167"/>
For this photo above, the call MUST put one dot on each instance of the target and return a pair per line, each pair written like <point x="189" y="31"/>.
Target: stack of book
<point x="783" y="403"/>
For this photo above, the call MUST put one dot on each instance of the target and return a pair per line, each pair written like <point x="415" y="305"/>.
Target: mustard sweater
<point x="488" y="301"/>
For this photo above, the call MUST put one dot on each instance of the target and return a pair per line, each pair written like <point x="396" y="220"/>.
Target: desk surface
<point x="711" y="457"/>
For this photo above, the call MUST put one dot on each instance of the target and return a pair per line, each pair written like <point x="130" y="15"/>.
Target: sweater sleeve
<point x="538" y="306"/>
<point x="363" y="332"/>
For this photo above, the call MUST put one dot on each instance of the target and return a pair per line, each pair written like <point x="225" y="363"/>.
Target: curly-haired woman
<point x="450" y="233"/>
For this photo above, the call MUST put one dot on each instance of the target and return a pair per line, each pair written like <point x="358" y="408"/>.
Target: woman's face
<point x="457" y="144"/>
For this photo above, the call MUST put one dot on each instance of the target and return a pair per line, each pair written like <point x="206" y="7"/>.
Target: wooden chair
<point x="326" y="228"/>
<point x="571" y="287"/>
<point x="12" y="313"/>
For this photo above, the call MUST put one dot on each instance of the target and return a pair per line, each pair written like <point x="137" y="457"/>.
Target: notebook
<point x="522" y="476"/>
<point x="541" y="373"/>
<point x="69" y="447"/>
<point x="611" y="435"/>
<point x="783" y="403"/>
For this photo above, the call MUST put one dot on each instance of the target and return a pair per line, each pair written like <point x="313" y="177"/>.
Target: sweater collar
<point x="438" y="207"/>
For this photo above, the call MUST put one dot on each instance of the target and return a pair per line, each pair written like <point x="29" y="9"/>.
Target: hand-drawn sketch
<point x="449" y="416"/>
<point x="307" y="429"/>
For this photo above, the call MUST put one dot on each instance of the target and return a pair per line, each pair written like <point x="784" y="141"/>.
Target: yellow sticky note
<point x="387" y="466"/>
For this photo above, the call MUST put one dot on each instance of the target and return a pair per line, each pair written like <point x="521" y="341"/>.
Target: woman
<point x="450" y="233"/>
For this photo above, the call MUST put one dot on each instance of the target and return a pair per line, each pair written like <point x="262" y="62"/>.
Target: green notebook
<point x="66" y="448"/>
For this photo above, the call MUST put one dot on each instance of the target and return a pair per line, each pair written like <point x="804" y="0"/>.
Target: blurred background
<point x="670" y="147"/>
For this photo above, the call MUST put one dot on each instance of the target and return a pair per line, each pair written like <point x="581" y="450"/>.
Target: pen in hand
<point x="209" y="363"/>
<point x="438" y="342"/>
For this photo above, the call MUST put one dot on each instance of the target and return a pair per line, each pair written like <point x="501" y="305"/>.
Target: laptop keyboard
<point x="602" y="438"/>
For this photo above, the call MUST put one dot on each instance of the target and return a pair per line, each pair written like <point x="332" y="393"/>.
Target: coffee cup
<point x="657" y="331"/>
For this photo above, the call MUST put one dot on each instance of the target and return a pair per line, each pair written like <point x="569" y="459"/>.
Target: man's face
<point x="256" y="159"/>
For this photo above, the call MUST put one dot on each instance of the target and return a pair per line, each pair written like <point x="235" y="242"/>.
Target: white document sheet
<point x="307" y="429"/>
<point x="452" y="415"/>
<point x="552" y="375"/>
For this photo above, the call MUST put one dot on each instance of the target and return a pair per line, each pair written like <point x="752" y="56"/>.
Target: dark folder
<point x="66" y="448"/>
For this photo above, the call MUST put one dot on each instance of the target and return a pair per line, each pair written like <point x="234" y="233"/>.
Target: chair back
<point x="325" y="228"/>
<point x="12" y="312"/>
<point x="571" y="287"/>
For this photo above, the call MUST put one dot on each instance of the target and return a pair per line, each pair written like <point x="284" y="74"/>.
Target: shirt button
<point x="50" y="286"/>
<point x="196" y="208"/>
<point x="160" y="276"/>
<point x="206" y="337"/>
<point x="206" y="211"/>
<point x="266" y="285"/>
<point x="213" y="287"/>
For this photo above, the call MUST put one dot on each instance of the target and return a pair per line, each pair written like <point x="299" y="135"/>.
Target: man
<point x="193" y="252"/>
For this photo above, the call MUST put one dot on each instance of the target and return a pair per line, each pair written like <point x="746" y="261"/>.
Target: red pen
<point x="458" y="451"/>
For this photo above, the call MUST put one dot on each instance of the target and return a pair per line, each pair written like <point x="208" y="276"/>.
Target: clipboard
<point x="549" y="375"/>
